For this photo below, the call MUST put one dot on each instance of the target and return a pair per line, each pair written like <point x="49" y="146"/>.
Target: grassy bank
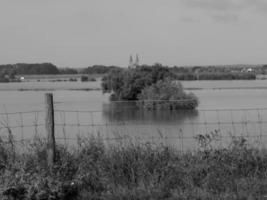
<point x="134" y="171"/>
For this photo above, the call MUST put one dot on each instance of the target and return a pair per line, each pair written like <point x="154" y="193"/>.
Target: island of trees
<point x="152" y="87"/>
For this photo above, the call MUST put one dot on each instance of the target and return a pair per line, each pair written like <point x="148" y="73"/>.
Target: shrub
<point x="72" y="79"/>
<point x="84" y="78"/>
<point x="4" y="80"/>
<point x="167" y="95"/>
<point x="92" y="79"/>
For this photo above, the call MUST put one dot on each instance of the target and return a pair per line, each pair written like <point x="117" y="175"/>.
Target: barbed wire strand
<point x="21" y="112"/>
<point x="245" y="123"/>
<point x="198" y="110"/>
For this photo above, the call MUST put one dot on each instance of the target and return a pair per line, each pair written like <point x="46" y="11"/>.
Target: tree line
<point x="9" y="71"/>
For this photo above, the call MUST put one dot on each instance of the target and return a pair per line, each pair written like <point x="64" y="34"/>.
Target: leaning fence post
<point x="50" y="129"/>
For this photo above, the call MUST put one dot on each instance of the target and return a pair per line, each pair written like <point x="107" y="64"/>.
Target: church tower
<point x="136" y="60"/>
<point x="133" y="64"/>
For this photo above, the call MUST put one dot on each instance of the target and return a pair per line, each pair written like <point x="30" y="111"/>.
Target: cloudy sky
<point x="79" y="33"/>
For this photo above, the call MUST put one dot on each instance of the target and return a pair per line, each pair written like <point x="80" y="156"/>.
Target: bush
<point x="167" y="95"/>
<point x="4" y="80"/>
<point x="92" y="79"/>
<point x="84" y="78"/>
<point x="72" y="79"/>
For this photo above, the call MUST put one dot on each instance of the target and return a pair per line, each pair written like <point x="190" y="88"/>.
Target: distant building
<point x="247" y="70"/>
<point x="136" y="60"/>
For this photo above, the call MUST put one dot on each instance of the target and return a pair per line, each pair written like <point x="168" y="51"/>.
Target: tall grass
<point x="133" y="170"/>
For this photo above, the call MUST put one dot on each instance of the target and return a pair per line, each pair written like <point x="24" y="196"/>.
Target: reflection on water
<point x="170" y="127"/>
<point x="129" y="112"/>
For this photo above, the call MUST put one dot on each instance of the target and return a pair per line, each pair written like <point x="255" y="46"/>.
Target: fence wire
<point x="122" y="122"/>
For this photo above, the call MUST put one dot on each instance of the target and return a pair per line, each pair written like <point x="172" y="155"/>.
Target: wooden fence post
<point x="50" y="129"/>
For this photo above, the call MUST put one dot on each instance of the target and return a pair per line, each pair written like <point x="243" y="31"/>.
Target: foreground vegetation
<point x="134" y="171"/>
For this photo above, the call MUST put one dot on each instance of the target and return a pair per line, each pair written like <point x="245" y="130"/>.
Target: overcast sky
<point x="80" y="33"/>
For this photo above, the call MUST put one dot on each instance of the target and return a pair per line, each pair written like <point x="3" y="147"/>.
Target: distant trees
<point x="7" y="72"/>
<point x="44" y="68"/>
<point x="99" y="69"/>
<point x="68" y="71"/>
<point x="150" y="72"/>
<point x="227" y="76"/>
<point x="3" y="79"/>
<point x="264" y="69"/>
<point x="212" y="73"/>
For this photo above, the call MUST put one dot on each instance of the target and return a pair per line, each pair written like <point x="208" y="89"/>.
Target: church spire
<point x="136" y="60"/>
<point x="131" y="62"/>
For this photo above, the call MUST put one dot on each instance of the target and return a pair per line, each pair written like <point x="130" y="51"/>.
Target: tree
<point x="23" y="68"/>
<point x="68" y="71"/>
<point x="127" y="84"/>
<point x="99" y="69"/>
<point x="167" y="94"/>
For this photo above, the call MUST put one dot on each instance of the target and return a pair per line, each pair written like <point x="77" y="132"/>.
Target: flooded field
<point x="230" y="107"/>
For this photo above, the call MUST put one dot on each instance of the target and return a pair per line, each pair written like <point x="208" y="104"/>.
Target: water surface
<point x="85" y="112"/>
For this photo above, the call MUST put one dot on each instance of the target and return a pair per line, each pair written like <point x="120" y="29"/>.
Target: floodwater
<point x="226" y="107"/>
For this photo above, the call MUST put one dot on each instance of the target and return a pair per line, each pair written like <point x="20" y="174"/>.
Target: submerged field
<point x="61" y="82"/>
<point x="93" y="111"/>
<point x="131" y="170"/>
<point x="50" y="86"/>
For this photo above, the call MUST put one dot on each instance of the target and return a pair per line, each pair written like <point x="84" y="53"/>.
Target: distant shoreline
<point x="49" y="85"/>
<point x="229" y="88"/>
<point x="99" y="89"/>
<point x="54" y="89"/>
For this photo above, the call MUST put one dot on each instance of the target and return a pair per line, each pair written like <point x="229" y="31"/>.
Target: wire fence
<point x="124" y="120"/>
